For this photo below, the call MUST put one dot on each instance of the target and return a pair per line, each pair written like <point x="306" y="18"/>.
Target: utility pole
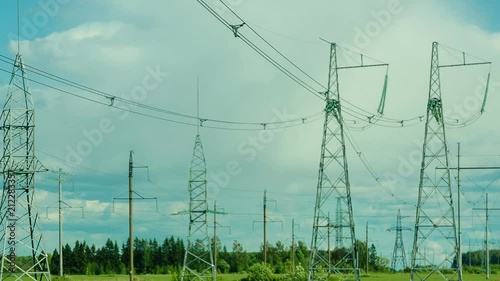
<point x="130" y="199"/>
<point x="60" y="207"/>
<point x="216" y="212"/>
<point x="60" y="202"/>
<point x="470" y="263"/>
<point x="265" y="221"/>
<point x="60" y="225"/>
<point x="215" y="238"/>
<point x="459" y="211"/>
<point x="130" y="216"/>
<point x="459" y="168"/>
<point x="487" y="209"/>
<point x="293" y="244"/>
<point x="329" y="227"/>
<point x="338" y="225"/>
<point x="265" y="230"/>
<point x="367" y="249"/>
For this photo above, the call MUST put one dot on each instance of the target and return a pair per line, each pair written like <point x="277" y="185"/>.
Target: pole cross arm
<point x="469" y="168"/>
<point x="225" y="226"/>
<point x="267" y="221"/>
<point x="185" y="212"/>
<point x="399" y="228"/>
<point x="464" y="64"/>
<point x="136" y="198"/>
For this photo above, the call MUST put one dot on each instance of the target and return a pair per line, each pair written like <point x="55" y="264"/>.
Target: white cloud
<point x="186" y="41"/>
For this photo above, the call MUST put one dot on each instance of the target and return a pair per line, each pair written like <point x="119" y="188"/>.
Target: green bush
<point x="299" y="275"/>
<point x="260" y="272"/>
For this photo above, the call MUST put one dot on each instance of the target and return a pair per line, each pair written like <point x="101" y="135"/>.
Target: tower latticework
<point x="198" y="259"/>
<point x="21" y="239"/>
<point x="333" y="182"/>
<point x="435" y="215"/>
<point x="398" y="261"/>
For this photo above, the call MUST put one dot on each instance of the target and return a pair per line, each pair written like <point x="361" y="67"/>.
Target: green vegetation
<point x="163" y="261"/>
<point x="237" y="277"/>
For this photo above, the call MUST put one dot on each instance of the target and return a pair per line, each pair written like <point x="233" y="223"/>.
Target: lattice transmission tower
<point x="435" y="226"/>
<point x="398" y="255"/>
<point x="198" y="259"/>
<point x="21" y="239"/>
<point x="333" y="191"/>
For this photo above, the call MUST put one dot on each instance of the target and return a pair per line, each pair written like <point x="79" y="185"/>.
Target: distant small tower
<point x="399" y="255"/>
<point x="198" y="259"/>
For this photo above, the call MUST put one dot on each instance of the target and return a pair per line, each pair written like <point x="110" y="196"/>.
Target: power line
<point x="358" y="113"/>
<point x="257" y="126"/>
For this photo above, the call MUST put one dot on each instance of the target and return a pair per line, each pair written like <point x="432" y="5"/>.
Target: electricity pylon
<point x="198" y="258"/>
<point x="333" y="179"/>
<point x="20" y="231"/>
<point x="435" y="216"/>
<point x="399" y="254"/>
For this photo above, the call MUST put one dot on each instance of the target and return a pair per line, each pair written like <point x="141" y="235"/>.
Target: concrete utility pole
<point x="130" y="216"/>
<point x="487" y="215"/>
<point x="265" y="230"/>
<point x="60" y="203"/>
<point x="215" y="238"/>
<point x="367" y="249"/>
<point x="293" y="245"/>
<point x="60" y="225"/>
<point x="130" y="199"/>
<point x="459" y="212"/>
<point x="459" y="168"/>
<point x="216" y="212"/>
<point x="265" y="221"/>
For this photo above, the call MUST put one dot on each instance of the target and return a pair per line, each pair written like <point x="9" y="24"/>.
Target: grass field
<point x="235" y="277"/>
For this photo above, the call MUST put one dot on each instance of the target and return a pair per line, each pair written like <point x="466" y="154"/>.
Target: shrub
<point x="260" y="272"/>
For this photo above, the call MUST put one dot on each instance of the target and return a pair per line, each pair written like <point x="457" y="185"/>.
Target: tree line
<point x="167" y="256"/>
<point x="150" y="257"/>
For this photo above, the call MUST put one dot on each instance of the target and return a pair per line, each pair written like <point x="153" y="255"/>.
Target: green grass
<point x="236" y="277"/>
<point x="221" y="277"/>
<point x="406" y="277"/>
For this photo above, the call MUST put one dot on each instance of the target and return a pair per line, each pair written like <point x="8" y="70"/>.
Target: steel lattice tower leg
<point x="21" y="239"/>
<point x="399" y="254"/>
<point x="198" y="259"/>
<point x="435" y="227"/>
<point x="333" y="178"/>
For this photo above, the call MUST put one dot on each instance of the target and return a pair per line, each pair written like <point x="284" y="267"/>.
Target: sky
<point x="152" y="54"/>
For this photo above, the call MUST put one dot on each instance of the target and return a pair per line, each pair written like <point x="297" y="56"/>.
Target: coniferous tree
<point x="54" y="263"/>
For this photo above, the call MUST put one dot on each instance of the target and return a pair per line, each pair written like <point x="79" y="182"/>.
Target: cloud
<point x="184" y="40"/>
